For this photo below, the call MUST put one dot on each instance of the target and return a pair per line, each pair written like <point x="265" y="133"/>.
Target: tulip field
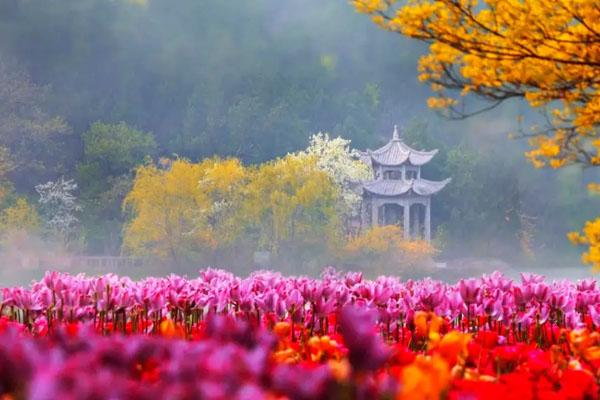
<point x="267" y="336"/>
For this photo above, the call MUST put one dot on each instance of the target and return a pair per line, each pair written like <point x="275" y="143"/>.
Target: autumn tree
<point x="545" y="52"/>
<point x="386" y="251"/>
<point x="21" y="217"/>
<point x="291" y="201"/>
<point x="181" y="209"/>
<point x="184" y="212"/>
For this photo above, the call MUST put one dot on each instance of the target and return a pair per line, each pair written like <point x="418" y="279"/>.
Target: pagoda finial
<point x="396" y="135"/>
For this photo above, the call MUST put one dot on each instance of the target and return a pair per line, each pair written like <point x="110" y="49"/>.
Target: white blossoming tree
<point x="59" y="206"/>
<point x="343" y="165"/>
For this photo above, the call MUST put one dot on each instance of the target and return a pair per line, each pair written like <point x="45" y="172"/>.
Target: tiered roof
<point x="395" y="154"/>
<point x="388" y="187"/>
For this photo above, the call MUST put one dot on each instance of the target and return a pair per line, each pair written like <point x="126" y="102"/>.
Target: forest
<point x="95" y="91"/>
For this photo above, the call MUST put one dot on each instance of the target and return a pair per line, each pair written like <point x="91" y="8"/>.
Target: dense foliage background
<point x="91" y="89"/>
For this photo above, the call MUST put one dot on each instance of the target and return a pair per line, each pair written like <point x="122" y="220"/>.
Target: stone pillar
<point x="403" y="172"/>
<point x="418" y="172"/>
<point x="363" y="213"/>
<point x="417" y="222"/>
<point x="428" y="220"/>
<point x="406" y="224"/>
<point x="374" y="212"/>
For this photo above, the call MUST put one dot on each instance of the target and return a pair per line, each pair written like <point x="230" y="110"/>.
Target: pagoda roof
<point x="396" y="153"/>
<point x="389" y="187"/>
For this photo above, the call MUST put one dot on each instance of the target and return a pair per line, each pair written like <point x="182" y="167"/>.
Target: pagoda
<point x="398" y="195"/>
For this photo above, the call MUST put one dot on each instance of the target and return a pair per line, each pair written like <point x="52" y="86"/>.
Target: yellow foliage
<point x="20" y="217"/>
<point x="181" y="208"/>
<point x="594" y="187"/>
<point x="388" y="242"/>
<point x="546" y="52"/>
<point x="590" y="237"/>
<point x="381" y="239"/>
<point x="543" y="51"/>
<point x="184" y="208"/>
<point x="291" y="199"/>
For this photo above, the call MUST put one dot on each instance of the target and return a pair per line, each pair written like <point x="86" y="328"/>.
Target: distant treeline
<point x="93" y="89"/>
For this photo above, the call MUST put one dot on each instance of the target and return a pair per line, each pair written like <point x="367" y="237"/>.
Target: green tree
<point x="111" y="153"/>
<point x="29" y="135"/>
<point x="116" y="148"/>
<point x="480" y="209"/>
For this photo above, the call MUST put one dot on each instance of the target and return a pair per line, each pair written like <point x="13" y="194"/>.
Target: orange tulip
<point x="583" y="343"/>
<point x="420" y="320"/>
<point x="323" y="346"/>
<point x="288" y="356"/>
<point x="340" y="369"/>
<point x="453" y="346"/>
<point x="168" y="328"/>
<point x="425" y="379"/>
<point x="282" y="329"/>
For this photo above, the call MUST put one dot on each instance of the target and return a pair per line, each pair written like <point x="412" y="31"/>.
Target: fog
<point x="253" y="80"/>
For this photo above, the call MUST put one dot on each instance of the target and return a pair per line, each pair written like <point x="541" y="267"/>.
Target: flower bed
<point x="267" y="336"/>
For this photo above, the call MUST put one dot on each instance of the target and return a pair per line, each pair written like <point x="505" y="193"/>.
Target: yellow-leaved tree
<point x="20" y="218"/>
<point x="544" y="51"/>
<point x="385" y="251"/>
<point x="184" y="212"/>
<point x="291" y="201"/>
<point x="181" y="209"/>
